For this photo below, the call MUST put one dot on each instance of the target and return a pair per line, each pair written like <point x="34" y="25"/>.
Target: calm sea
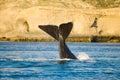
<point x="40" y="61"/>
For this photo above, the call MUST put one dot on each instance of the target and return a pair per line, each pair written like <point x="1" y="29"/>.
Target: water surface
<point x="40" y="61"/>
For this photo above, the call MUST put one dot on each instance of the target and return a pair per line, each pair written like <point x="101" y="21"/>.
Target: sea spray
<point x="84" y="57"/>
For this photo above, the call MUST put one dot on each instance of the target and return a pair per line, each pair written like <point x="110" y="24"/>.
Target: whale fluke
<point x="60" y="34"/>
<point x="65" y="29"/>
<point x="52" y="30"/>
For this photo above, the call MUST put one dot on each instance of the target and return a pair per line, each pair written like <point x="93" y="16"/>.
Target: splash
<point x="84" y="57"/>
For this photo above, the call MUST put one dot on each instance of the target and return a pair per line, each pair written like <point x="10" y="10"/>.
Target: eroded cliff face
<point x="16" y="22"/>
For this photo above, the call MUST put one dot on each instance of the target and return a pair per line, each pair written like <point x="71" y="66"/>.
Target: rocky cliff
<point x="20" y="18"/>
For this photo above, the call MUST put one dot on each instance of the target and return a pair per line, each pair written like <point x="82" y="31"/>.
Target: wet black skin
<point x="60" y="34"/>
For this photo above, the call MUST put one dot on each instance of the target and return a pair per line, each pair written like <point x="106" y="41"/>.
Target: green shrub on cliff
<point x="58" y="3"/>
<point x="104" y="3"/>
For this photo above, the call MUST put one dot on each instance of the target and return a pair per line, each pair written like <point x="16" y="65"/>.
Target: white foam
<point x="36" y="59"/>
<point x="84" y="57"/>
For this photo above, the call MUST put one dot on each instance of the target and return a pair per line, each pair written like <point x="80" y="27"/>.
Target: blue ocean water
<point x="40" y="61"/>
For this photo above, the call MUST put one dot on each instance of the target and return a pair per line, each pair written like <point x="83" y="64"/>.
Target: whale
<point x="60" y="33"/>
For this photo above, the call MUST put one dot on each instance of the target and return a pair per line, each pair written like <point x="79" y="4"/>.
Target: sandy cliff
<point x="20" y="21"/>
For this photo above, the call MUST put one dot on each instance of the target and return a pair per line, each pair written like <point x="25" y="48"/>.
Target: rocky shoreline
<point x="105" y="39"/>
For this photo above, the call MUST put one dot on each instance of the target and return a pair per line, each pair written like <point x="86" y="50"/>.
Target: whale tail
<point x="60" y="34"/>
<point x="53" y="30"/>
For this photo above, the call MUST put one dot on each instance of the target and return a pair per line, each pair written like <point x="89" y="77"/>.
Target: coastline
<point x="105" y="39"/>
